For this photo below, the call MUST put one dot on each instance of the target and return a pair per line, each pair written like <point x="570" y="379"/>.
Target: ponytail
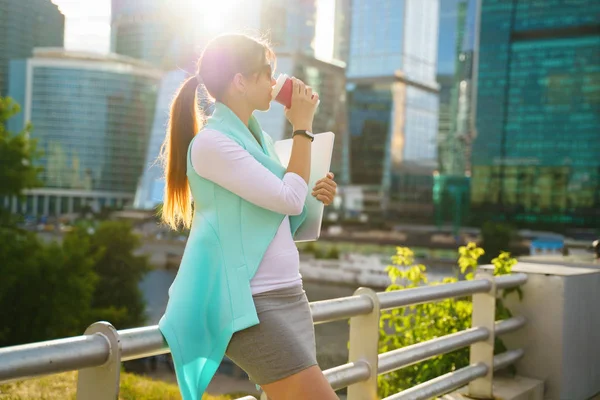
<point x="185" y="120"/>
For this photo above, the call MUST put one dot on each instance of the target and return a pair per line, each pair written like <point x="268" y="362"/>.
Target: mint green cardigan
<point x="210" y="298"/>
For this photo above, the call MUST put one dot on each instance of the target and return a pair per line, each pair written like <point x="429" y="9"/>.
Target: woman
<point x="238" y="290"/>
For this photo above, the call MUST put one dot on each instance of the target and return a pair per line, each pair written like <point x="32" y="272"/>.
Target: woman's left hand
<point x="325" y="189"/>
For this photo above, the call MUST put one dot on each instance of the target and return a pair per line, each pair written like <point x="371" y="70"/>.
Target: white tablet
<point x="321" y="153"/>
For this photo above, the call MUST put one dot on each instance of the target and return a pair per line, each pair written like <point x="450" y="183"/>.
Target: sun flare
<point x="222" y="15"/>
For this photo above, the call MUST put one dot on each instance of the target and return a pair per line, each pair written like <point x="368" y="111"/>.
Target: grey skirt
<point x="282" y="344"/>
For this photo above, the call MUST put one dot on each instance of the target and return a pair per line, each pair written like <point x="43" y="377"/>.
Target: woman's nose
<point x="273" y="81"/>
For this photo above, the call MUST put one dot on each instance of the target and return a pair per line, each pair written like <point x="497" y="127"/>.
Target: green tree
<point x="45" y="290"/>
<point x="416" y="324"/>
<point x="18" y="153"/>
<point x="496" y="238"/>
<point x="117" y="297"/>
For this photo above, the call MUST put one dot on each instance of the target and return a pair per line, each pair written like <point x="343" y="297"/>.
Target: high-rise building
<point x="92" y="115"/>
<point x="455" y="50"/>
<point x="455" y="129"/>
<point x="393" y="104"/>
<point x="341" y="30"/>
<point x="149" y="30"/>
<point x="536" y="155"/>
<point x="25" y="24"/>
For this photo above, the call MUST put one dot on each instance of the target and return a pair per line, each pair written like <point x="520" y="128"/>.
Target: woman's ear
<point x="239" y="82"/>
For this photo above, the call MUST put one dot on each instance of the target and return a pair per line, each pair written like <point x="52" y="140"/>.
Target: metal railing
<point x="99" y="352"/>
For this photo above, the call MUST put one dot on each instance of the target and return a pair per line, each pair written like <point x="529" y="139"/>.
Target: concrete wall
<point x="562" y="336"/>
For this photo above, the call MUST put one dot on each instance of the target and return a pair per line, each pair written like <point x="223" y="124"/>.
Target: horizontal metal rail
<point x="346" y="307"/>
<point x="454" y="380"/>
<point x="442" y="384"/>
<point x="409" y="355"/>
<point x="427" y="294"/>
<point x="507" y="358"/>
<point x="142" y="342"/>
<point x="510" y="281"/>
<point x="347" y="374"/>
<point x="55" y="356"/>
<point x="509" y="325"/>
<point x="343" y="308"/>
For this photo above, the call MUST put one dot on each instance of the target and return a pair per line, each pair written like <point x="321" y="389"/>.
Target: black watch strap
<point x="304" y="132"/>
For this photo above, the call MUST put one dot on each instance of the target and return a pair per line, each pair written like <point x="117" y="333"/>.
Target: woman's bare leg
<point x="307" y="384"/>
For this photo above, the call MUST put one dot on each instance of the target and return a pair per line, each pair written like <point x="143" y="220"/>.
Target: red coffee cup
<point x="282" y="91"/>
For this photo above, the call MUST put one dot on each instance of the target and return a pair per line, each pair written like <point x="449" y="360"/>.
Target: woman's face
<point x="260" y="86"/>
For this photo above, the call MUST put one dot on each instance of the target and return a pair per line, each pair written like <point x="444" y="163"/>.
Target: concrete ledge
<point x="507" y="388"/>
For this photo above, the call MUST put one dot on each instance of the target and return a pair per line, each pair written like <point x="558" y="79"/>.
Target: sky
<point x="87" y="25"/>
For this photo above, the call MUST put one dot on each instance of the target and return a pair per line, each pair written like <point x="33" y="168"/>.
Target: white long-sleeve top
<point x="221" y="160"/>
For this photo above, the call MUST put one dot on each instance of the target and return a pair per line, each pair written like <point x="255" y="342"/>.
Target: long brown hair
<point x="222" y="58"/>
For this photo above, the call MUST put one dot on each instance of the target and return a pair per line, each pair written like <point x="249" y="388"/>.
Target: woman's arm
<point x="224" y="162"/>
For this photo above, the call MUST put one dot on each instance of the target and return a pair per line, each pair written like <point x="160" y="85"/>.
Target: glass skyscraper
<point x="92" y="116"/>
<point x="393" y="104"/>
<point x="536" y="158"/>
<point x="25" y="24"/>
<point x="341" y="31"/>
<point x="455" y="129"/>
<point x="454" y="74"/>
<point x="149" y="30"/>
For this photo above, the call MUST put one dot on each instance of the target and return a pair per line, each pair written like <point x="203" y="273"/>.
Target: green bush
<point x="332" y="254"/>
<point x="416" y="324"/>
<point x="310" y="248"/>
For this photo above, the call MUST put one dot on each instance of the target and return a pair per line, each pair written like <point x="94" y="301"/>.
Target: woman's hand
<point x="325" y="189"/>
<point x="304" y="105"/>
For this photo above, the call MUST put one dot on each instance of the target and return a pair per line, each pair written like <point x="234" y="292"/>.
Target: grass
<point x="63" y="387"/>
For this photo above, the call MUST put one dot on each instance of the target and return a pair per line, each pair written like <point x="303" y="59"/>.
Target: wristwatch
<point x="304" y="132"/>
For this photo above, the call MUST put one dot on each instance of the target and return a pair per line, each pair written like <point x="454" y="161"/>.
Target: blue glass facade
<point x="536" y="158"/>
<point x="393" y="103"/>
<point x="25" y="24"/>
<point x="377" y="37"/>
<point x="370" y="130"/>
<point x="92" y="120"/>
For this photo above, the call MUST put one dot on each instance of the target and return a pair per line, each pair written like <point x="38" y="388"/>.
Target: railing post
<point x="484" y="315"/>
<point x="364" y="347"/>
<point x="102" y="383"/>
